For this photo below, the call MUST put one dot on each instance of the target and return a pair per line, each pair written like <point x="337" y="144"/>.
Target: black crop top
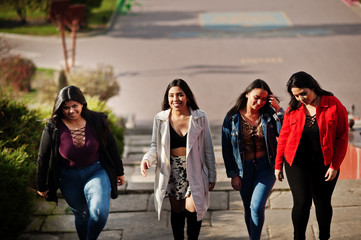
<point x="177" y="141"/>
<point x="309" y="146"/>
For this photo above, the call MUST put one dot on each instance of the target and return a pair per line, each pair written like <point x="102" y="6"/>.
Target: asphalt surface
<point x="218" y="47"/>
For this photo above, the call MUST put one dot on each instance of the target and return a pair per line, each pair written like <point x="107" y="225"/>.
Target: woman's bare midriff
<point x="251" y="156"/>
<point x="181" y="151"/>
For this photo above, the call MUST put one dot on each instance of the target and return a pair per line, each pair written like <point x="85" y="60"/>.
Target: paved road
<point x="218" y="48"/>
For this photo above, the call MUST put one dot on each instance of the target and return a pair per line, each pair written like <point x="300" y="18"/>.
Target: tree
<point x="62" y="14"/>
<point x="20" y="6"/>
<point x="90" y="4"/>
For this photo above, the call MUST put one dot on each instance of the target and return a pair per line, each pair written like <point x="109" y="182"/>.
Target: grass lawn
<point x="102" y="15"/>
<point x="37" y="23"/>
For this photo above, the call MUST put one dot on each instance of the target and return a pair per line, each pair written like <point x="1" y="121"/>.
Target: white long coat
<point x="201" y="167"/>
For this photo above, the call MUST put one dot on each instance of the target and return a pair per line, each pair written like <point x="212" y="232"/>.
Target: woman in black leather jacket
<point x="78" y="154"/>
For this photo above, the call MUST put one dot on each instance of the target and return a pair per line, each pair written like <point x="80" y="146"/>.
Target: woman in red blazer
<point x="312" y="143"/>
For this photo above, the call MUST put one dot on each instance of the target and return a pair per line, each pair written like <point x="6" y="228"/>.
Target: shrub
<point x="17" y="72"/>
<point x="46" y="85"/>
<point x="114" y="122"/>
<point x="20" y="126"/>
<point x="101" y="82"/>
<point x="16" y="200"/>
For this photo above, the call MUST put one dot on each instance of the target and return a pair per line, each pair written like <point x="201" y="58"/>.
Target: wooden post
<point x="74" y="27"/>
<point x="57" y="14"/>
<point x="62" y="35"/>
<point x="74" y="17"/>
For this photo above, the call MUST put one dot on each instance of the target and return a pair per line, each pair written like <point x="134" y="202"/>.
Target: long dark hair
<point x="67" y="93"/>
<point x="242" y="99"/>
<point x="303" y="80"/>
<point x="73" y="93"/>
<point x="186" y="89"/>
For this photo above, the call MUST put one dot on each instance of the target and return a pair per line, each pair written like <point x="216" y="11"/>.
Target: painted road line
<point x="242" y="20"/>
<point x="287" y="18"/>
<point x="254" y="33"/>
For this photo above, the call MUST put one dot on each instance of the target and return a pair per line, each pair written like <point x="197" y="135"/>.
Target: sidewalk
<point x="132" y="214"/>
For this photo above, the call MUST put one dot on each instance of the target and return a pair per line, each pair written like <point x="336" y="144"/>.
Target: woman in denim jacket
<point x="249" y="147"/>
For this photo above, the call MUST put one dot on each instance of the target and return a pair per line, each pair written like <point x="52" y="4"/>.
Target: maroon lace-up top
<point x="78" y="148"/>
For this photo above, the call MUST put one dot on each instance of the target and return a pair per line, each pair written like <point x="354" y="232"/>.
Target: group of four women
<point x="78" y="154"/>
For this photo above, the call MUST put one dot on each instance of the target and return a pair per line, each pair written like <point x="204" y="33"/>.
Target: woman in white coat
<point x="182" y="151"/>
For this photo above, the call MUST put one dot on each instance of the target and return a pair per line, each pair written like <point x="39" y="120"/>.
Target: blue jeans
<point x="257" y="182"/>
<point x="87" y="192"/>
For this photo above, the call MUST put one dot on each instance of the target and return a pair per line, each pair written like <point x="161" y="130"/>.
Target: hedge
<point x="16" y="198"/>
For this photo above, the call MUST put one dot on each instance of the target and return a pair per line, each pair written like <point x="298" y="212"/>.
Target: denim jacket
<point x="232" y="149"/>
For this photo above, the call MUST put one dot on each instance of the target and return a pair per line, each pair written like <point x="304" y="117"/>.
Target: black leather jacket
<point x="48" y="164"/>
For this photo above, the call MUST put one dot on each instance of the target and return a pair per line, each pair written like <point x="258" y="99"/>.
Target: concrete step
<point x="136" y="183"/>
<point x="137" y="143"/>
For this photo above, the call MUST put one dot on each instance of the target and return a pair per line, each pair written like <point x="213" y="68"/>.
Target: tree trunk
<point x="74" y="27"/>
<point x="22" y="15"/>
<point x="62" y="34"/>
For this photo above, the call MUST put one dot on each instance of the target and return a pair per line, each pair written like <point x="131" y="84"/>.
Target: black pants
<point x="307" y="182"/>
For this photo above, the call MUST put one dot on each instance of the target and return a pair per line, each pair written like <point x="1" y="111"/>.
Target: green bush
<point x="101" y="82"/>
<point x="46" y="85"/>
<point x="20" y="126"/>
<point x="16" y="200"/>
<point x="17" y="72"/>
<point x="114" y="122"/>
<point x="20" y="132"/>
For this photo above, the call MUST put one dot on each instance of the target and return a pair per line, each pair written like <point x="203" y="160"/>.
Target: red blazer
<point x="332" y="121"/>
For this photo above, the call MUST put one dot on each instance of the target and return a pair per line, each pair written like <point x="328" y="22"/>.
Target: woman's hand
<point x="211" y="186"/>
<point x="274" y="103"/>
<point x="43" y="194"/>
<point x="236" y="183"/>
<point x="279" y="175"/>
<point x="144" y="165"/>
<point x="120" y="180"/>
<point x="330" y="174"/>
